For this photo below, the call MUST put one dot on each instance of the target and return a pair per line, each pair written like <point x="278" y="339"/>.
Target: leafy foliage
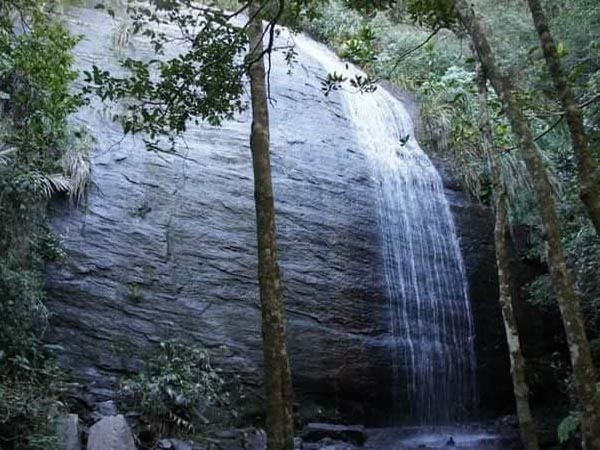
<point x="177" y="388"/>
<point x="204" y="80"/>
<point x="164" y="94"/>
<point x="433" y="13"/>
<point x="360" y="49"/>
<point x="568" y="427"/>
<point x="424" y="52"/>
<point x="39" y="156"/>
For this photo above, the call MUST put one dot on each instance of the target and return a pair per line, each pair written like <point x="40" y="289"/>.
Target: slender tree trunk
<point x="279" y="423"/>
<point x="583" y="370"/>
<point x="589" y="174"/>
<point x="517" y="362"/>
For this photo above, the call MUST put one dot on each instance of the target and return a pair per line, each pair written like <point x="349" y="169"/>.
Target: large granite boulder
<point x="165" y="247"/>
<point x="111" y="433"/>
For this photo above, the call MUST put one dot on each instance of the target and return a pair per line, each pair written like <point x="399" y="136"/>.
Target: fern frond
<point x="5" y="156"/>
<point x="77" y="166"/>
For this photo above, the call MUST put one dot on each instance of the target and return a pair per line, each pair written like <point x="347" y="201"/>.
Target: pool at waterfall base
<point x="470" y="436"/>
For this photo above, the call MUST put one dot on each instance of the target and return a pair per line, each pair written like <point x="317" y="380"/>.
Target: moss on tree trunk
<point x="279" y="423"/>
<point x="583" y="370"/>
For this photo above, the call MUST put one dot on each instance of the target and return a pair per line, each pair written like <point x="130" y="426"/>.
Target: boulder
<point x="67" y="430"/>
<point x="175" y="444"/>
<point x="339" y="446"/>
<point x="242" y="439"/>
<point x="328" y="444"/>
<point x="107" y="408"/>
<point x="111" y="433"/>
<point x="315" y="432"/>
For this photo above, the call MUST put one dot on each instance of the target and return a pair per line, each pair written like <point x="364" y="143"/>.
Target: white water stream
<point x="431" y="321"/>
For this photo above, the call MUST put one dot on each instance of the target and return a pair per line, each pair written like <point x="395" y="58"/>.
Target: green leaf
<point x="567" y="427"/>
<point x="561" y="49"/>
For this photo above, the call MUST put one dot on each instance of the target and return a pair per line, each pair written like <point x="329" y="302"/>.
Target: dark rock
<point x="68" y="433"/>
<point x="165" y="247"/>
<point x="328" y="444"/>
<point x="175" y="444"/>
<point x="316" y="445"/>
<point x="229" y="434"/>
<point x="110" y="433"/>
<point x="475" y="226"/>
<point x="241" y="439"/>
<point x="107" y="408"/>
<point x="339" y="446"/>
<point x="315" y="432"/>
<point x="191" y="261"/>
<point x="164" y="444"/>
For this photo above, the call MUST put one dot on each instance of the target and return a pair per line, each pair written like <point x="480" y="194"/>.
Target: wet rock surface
<point x="315" y="432"/>
<point x="175" y="444"/>
<point x="449" y="438"/>
<point x="328" y="444"/>
<point x="164" y="247"/>
<point x="475" y="226"/>
<point x="111" y="433"/>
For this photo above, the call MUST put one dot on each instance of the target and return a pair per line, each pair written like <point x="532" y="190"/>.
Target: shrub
<point x="567" y="428"/>
<point x="35" y="162"/>
<point x="178" y="389"/>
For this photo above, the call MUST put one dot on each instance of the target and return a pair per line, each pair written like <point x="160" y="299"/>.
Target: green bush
<point x="178" y="390"/>
<point x="568" y="427"/>
<point x="29" y="403"/>
<point x="39" y="155"/>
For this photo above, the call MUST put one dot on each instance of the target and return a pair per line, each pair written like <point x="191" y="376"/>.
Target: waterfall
<point x="432" y="328"/>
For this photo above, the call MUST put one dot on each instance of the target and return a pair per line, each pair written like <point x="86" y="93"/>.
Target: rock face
<point x="173" y="444"/>
<point x="67" y="431"/>
<point x="165" y="247"/>
<point x="475" y="226"/>
<point x="110" y="433"/>
<point x="315" y="432"/>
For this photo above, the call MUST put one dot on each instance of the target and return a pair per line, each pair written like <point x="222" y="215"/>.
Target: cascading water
<point x="431" y="321"/>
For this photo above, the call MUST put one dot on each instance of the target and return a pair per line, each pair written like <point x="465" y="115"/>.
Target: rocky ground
<point x="106" y="429"/>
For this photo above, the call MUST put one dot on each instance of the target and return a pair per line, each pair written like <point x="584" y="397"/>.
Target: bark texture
<point x="589" y="174"/>
<point x="583" y="370"/>
<point x="517" y="362"/>
<point x="279" y="421"/>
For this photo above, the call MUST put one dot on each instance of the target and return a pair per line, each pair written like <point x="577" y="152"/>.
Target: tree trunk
<point x="517" y="362"/>
<point x="279" y="421"/>
<point x="589" y="174"/>
<point x="583" y="370"/>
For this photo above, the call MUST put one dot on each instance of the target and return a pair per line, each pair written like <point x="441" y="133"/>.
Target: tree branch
<point x="539" y="136"/>
<point x="556" y="122"/>
<point x="405" y="54"/>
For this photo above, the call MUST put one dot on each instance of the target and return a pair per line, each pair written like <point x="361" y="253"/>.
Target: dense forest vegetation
<point x="519" y="120"/>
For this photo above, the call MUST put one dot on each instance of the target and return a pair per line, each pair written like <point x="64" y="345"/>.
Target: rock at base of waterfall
<point x="242" y="439"/>
<point x="328" y="444"/>
<point x="315" y="432"/>
<point x="107" y="408"/>
<point x="67" y="431"/>
<point x="111" y="433"/>
<point x="104" y="409"/>
<point x="175" y="444"/>
<point x="339" y="446"/>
